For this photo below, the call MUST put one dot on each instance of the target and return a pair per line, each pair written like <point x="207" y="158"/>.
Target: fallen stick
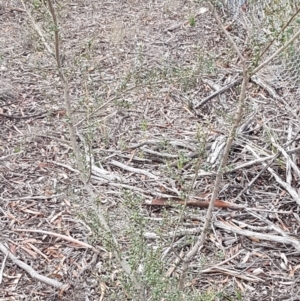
<point x="289" y="240"/>
<point x="65" y="237"/>
<point x="31" y="271"/>
<point x="213" y="95"/>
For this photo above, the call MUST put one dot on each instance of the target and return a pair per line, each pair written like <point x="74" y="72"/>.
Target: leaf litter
<point x="139" y="73"/>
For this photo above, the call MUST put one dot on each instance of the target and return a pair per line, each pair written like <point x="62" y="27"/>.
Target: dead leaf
<point x="255" y="239"/>
<point x="294" y="269"/>
<point x="103" y="288"/>
<point x="240" y="285"/>
<point x="246" y="258"/>
<point x="30" y="252"/>
<point x="258" y="271"/>
<point x="44" y="165"/>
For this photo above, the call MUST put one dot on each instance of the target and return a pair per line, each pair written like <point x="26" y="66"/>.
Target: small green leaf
<point x="192" y="21"/>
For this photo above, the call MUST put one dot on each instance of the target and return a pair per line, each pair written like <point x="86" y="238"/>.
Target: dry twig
<point x="31" y="271"/>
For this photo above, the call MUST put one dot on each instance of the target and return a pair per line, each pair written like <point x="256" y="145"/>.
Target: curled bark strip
<point x="192" y="203"/>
